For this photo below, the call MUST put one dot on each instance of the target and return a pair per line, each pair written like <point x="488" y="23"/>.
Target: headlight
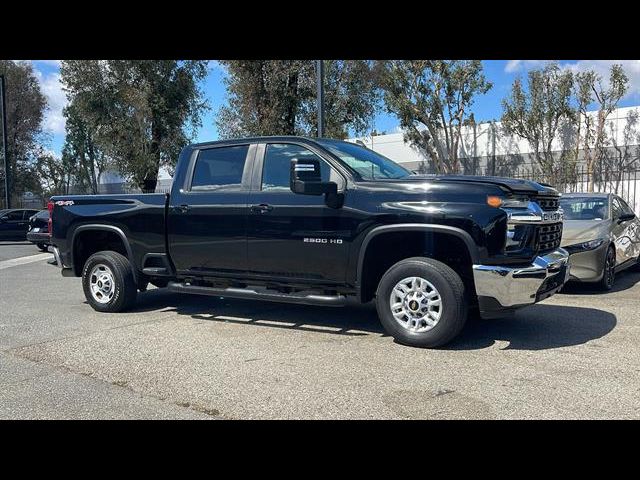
<point x="585" y="246"/>
<point x="515" y="202"/>
<point x="507" y="202"/>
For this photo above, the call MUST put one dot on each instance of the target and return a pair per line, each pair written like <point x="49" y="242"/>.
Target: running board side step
<point x="248" y="294"/>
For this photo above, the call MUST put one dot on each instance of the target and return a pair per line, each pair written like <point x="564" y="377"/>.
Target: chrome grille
<point x="549" y="236"/>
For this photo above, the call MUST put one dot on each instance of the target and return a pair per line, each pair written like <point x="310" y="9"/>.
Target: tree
<point x="606" y="98"/>
<point x="81" y="150"/>
<point x="432" y="99"/>
<point x="624" y="156"/>
<point x="26" y="105"/>
<point x="139" y="110"/>
<point x="55" y="174"/>
<point x="536" y="113"/>
<point x="278" y="97"/>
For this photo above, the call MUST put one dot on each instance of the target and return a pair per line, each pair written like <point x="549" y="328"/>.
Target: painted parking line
<point x="24" y="260"/>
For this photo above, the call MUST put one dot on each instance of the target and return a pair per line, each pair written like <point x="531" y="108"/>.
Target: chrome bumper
<point x="503" y="287"/>
<point x="56" y="255"/>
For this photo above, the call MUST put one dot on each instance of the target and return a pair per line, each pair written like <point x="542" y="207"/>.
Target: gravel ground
<point x="573" y="356"/>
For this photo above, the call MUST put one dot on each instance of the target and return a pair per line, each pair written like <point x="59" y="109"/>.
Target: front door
<point x="207" y="220"/>
<point x="14" y="225"/>
<point x="626" y="234"/>
<point x="293" y="236"/>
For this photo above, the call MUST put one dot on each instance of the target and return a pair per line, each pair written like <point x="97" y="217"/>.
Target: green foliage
<point x="26" y="105"/>
<point x="278" y="97"/>
<point x="80" y="153"/>
<point x="537" y="111"/>
<point x="432" y="99"/>
<point x="55" y="174"/>
<point x="137" y="110"/>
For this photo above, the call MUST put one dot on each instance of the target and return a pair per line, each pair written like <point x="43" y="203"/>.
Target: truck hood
<point x="579" y="231"/>
<point x="515" y="185"/>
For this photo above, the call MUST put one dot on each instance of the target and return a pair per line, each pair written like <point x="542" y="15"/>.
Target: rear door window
<point x="220" y="168"/>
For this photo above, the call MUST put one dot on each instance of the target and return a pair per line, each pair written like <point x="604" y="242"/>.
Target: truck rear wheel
<point x="421" y="302"/>
<point x="108" y="282"/>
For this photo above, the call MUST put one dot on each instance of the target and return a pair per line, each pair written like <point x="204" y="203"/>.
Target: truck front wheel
<point x="108" y="282"/>
<point x="421" y="302"/>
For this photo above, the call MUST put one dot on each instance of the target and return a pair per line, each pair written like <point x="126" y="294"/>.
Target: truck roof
<point x="263" y="138"/>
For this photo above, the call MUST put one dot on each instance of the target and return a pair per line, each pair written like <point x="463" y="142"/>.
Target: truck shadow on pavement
<point x="538" y="327"/>
<point x="357" y="320"/>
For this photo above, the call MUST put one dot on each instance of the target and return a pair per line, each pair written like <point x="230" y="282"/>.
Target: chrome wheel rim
<point x="101" y="283"/>
<point x="416" y="304"/>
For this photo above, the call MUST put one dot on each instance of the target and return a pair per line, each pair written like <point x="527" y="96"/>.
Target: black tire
<point x="43" y="247"/>
<point x="608" y="271"/>
<point x="452" y="293"/>
<point x="124" y="285"/>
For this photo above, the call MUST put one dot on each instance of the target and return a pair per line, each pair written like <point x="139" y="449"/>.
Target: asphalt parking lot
<point x="574" y="356"/>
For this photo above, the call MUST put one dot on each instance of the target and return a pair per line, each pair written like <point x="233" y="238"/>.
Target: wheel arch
<point x="461" y="236"/>
<point x="86" y="228"/>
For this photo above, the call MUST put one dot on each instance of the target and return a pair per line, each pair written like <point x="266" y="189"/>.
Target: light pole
<point x="7" y="196"/>
<point x="320" y="96"/>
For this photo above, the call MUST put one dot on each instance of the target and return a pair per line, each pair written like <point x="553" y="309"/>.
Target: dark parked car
<point x="14" y="223"/>
<point x="317" y="221"/>
<point x="39" y="230"/>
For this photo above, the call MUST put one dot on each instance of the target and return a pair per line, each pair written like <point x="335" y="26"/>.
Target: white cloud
<point x="514" y="66"/>
<point x="51" y="86"/>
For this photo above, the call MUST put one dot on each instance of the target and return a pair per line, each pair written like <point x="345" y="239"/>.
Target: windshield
<point x="366" y="163"/>
<point x="585" y="208"/>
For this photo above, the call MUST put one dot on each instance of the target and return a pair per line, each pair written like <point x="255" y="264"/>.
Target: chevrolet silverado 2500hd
<point x="316" y="221"/>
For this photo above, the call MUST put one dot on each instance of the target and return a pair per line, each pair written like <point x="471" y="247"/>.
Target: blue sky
<point x="487" y="107"/>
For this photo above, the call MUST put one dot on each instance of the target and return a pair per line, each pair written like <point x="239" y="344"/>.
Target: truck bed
<point x="140" y="217"/>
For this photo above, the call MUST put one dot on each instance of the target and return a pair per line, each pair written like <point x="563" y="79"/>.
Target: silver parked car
<point x="602" y="234"/>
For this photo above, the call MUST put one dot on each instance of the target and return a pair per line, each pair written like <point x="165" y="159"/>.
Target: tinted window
<point x="277" y="166"/>
<point x="219" y="168"/>
<point x="368" y="164"/>
<point x="43" y="214"/>
<point x="16" y="215"/>
<point x="616" y="208"/>
<point x="625" y="207"/>
<point x="585" y="208"/>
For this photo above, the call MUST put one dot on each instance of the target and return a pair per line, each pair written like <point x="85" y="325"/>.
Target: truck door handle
<point x="182" y="208"/>
<point x="262" y="208"/>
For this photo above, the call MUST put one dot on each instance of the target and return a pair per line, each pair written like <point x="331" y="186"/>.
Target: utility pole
<point x="320" y="97"/>
<point x="7" y="195"/>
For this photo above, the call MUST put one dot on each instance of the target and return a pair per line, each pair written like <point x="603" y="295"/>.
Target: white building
<point x="487" y="142"/>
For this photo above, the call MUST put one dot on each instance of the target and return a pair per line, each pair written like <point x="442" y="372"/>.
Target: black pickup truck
<point x="318" y="222"/>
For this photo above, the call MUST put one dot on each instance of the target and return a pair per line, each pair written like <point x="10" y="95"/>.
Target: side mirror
<point x="4" y="219"/>
<point x="305" y="178"/>
<point x="625" y="217"/>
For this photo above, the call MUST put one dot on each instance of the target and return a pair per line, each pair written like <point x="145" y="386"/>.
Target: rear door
<point x="206" y="222"/>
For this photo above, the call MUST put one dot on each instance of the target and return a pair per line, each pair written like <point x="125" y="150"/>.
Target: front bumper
<point x="501" y="289"/>
<point x="588" y="266"/>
